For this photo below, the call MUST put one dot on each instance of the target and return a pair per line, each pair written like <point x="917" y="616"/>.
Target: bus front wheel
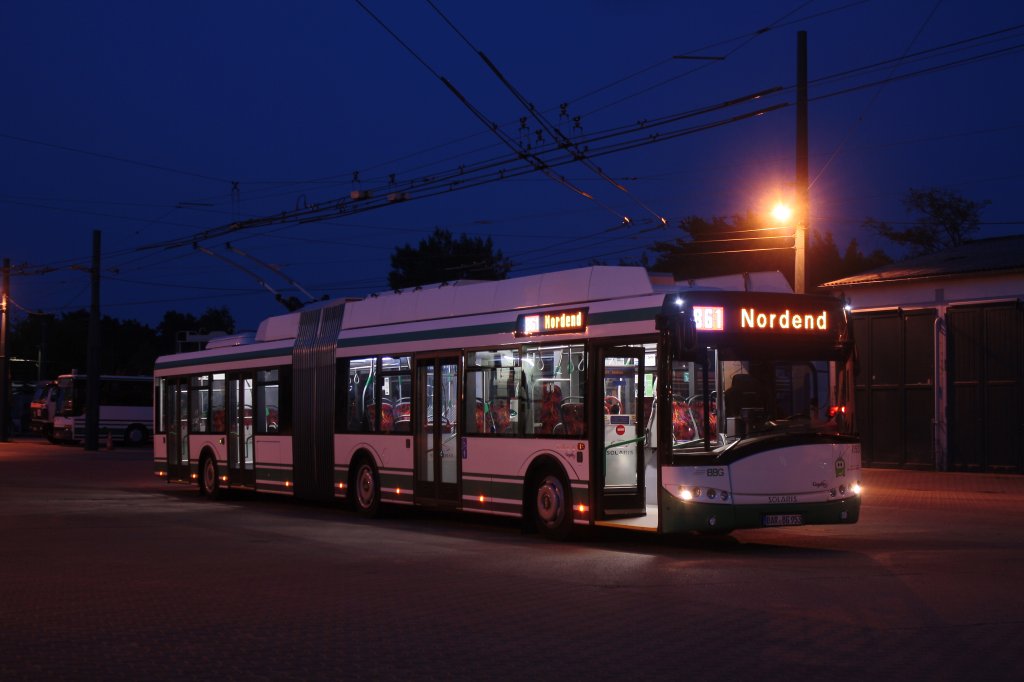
<point x="552" y="510"/>
<point x="209" y="484"/>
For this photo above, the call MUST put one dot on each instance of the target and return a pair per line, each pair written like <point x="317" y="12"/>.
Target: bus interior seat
<point x="550" y="413"/>
<point x="682" y="421"/>
<point x="501" y="415"/>
<point x="574" y="420"/>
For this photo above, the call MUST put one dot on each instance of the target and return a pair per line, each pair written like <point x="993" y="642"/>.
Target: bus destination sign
<point x="715" y="319"/>
<point x="552" y="322"/>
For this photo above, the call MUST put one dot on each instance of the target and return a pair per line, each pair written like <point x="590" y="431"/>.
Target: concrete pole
<point x="92" y="390"/>
<point x="802" y="213"/>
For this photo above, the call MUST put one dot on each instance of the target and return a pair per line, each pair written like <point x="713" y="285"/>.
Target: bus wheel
<point x="209" y="484"/>
<point x="552" y="509"/>
<point x="135" y="435"/>
<point x="367" y="489"/>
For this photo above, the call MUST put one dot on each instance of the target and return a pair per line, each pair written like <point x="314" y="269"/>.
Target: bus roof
<point x="460" y="299"/>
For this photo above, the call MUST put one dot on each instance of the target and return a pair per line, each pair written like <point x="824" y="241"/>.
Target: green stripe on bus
<point x="395" y="480"/>
<point x="282" y="474"/>
<point x="284" y="354"/>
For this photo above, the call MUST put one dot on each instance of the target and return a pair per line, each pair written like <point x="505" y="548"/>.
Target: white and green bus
<point x="599" y="396"/>
<point x="125" y="410"/>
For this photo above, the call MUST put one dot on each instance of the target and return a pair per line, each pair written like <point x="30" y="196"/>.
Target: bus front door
<point x="619" y="433"/>
<point x="241" y="442"/>
<point x="175" y="404"/>
<point x="436" y="431"/>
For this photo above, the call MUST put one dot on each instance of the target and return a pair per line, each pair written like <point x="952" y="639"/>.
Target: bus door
<point x="436" y="431"/>
<point x="619" y="432"/>
<point x="240" y="427"/>
<point x="175" y="405"/>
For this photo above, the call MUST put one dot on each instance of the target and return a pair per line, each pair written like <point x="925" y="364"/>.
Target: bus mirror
<point x="683" y="331"/>
<point x="686" y="333"/>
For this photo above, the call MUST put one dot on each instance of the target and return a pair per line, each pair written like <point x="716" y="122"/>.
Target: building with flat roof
<point x="940" y="340"/>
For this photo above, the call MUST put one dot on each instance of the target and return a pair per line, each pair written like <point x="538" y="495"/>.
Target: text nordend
<point x="573" y="321"/>
<point x="752" y="318"/>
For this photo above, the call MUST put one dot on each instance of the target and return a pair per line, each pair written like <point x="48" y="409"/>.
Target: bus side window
<point x="273" y="401"/>
<point x="362" y="395"/>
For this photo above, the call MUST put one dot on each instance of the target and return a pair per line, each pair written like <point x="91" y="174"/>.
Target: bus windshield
<point x="723" y="401"/>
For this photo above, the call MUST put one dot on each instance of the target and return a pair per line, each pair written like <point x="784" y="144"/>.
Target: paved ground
<point x="107" y="572"/>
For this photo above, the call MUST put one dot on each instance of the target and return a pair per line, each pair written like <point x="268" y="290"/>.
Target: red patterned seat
<point x="501" y="415"/>
<point x="682" y="421"/>
<point x="550" y="412"/>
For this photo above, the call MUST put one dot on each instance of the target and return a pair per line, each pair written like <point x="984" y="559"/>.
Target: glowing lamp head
<point x="782" y="213"/>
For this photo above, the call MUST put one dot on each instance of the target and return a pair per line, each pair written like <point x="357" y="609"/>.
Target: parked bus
<point x="126" y="408"/>
<point x="597" y="396"/>
<point x="43" y="408"/>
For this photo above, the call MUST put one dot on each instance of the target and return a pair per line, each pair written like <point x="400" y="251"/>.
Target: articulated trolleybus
<point x="591" y="397"/>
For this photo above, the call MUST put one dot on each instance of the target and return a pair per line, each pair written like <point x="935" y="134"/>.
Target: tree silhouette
<point x="943" y="219"/>
<point x="126" y="346"/>
<point x="442" y="258"/>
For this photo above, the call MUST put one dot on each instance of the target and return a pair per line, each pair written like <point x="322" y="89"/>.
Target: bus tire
<point x="209" y="484"/>
<point x="135" y="434"/>
<point x="366" y="489"/>
<point x="551" y="502"/>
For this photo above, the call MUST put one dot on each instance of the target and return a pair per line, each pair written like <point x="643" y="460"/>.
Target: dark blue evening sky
<point x="136" y="119"/>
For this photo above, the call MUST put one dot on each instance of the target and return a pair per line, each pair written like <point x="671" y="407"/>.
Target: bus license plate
<point x="783" y="520"/>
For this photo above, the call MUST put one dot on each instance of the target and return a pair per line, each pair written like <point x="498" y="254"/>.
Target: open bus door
<point x="175" y="418"/>
<point x="619" y="432"/>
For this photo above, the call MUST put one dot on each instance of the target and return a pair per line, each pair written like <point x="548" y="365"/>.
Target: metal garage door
<point x="985" y="366"/>
<point x="895" y="387"/>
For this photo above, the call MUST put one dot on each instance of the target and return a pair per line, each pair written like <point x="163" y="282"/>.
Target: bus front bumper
<point x="682" y="517"/>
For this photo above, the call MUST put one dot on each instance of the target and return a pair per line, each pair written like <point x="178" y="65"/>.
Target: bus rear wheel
<point x="366" y="489"/>
<point x="209" y="484"/>
<point x="552" y="508"/>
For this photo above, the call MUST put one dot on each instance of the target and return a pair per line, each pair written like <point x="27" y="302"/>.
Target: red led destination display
<point x="759" y="318"/>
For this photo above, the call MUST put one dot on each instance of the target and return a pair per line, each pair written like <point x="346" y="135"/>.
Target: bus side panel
<point x="395" y="465"/>
<point x="273" y="456"/>
<point x="495" y="469"/>
<point x="392" y="455"/>
<point x="205" y="442"/>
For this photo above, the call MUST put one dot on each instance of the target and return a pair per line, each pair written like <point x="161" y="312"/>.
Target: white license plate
<point x="783" y="520"/>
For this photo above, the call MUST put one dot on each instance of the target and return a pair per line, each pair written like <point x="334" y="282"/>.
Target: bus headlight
<point x="685" y="494"/>
<point x="856" y="489"/>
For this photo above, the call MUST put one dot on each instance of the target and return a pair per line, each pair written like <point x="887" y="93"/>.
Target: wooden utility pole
<point x="803" y="195"/>
<point x="92" y="390"/>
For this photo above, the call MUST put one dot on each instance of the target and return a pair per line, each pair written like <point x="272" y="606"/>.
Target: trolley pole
<point x="5" y="366"/>
<point x="92" y="391"/>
